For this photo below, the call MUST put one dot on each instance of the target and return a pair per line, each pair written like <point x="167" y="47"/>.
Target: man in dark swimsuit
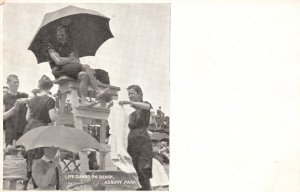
<point x="65" y="62"/>
<point x="15" y="124"/>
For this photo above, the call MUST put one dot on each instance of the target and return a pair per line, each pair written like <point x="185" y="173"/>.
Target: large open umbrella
<point x="62" y="137"/>
<point x="88" y="30"/>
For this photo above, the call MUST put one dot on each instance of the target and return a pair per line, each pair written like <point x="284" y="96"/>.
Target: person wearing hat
<point x="41" y="111"/>
<point x="41" y="108"/>
<point x="46" y="171"/>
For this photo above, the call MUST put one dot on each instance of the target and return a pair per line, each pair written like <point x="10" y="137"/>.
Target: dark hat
<point x="45" y="83"/>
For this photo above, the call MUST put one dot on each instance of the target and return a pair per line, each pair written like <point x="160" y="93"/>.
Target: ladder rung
<point x="92" y="112"/>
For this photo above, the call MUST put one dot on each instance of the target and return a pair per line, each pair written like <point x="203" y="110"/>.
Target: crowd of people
<point x="161" y="149"/>
<point x="23" y="113"/>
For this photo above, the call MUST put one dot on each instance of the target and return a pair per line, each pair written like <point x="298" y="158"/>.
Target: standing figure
<point x="41" y="112"/>
<point x="139" y="143"/>
<point x="65" y="62"/>
<point x="159" y="112"/>
<point x="14" y="125"/>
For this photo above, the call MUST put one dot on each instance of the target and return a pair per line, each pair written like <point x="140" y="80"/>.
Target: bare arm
<point x="28" y="114"/>
<point x="53" y="114"/>
<point x="62" y="60"/>
<point x="14" y="109"/>
<point x="139" y="105"/>
<point x="9" y="113"/>
<point x="52" y="110"/>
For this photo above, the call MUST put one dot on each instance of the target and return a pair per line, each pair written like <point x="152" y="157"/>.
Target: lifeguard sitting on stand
<point x="65" y="62"/>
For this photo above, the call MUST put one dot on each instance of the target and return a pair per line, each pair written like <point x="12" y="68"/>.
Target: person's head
<point x="45" y="83"/>
<point x="135" y="93"/>
<point x="159" y="107"/>
<point x="50" y="152"/>
<point x="5" y="89"/>
<point x="13" y="83"/>
<point x="61" y="34"/>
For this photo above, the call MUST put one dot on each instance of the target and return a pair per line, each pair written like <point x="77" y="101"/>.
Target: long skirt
<point x="141" y="152"/>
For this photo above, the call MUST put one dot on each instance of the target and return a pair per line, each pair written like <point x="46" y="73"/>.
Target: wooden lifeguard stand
<point x="70" y="86"/>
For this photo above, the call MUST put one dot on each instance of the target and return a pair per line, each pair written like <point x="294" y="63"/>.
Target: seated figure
<point x="65" y="62"/>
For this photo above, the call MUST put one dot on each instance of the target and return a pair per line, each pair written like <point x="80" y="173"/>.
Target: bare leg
<point x="92" y="79"/>
<point x="84" y="80"/>
<point x="94" y="82"/>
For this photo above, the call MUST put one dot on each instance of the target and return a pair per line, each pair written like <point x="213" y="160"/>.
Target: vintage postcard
<point x="86" y="96"/>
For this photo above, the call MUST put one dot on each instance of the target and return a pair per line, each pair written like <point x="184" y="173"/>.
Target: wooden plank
<point x="13" y="184"/>
<point x="92" y="112"/>
<point x="66" y="82"/>
<point x="62" y="102"/>
<point x="102" y="141"/>
<point x="113" y="90"/>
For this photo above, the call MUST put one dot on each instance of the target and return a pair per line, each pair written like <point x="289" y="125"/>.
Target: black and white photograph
<point x="86" y="96"/>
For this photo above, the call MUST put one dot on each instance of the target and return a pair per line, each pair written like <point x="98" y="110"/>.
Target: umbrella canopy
<point x="67" y="138"/>
<point x="87" y="29"/>
<point x="159" y="136"/>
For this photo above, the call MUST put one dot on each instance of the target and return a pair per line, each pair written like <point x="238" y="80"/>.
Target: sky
<point x="138" y="53"/>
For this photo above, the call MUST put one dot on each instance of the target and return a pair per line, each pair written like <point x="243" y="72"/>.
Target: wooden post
<point x="74" y="102"/>
<point x="13" y="184"/>
<point x="102" y="140"/>
<point x="84" y="161"/>
<point x="62" y="102"/>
